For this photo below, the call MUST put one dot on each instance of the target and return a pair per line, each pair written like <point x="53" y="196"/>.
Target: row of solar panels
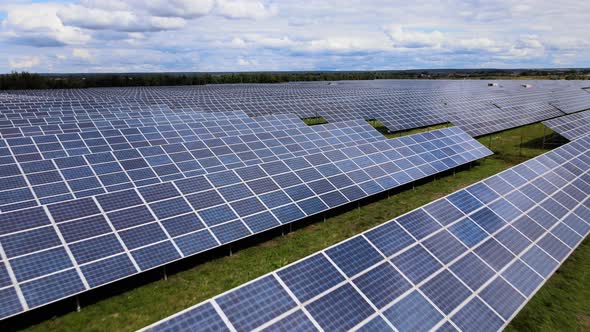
<point x="305" y="89"/>
<point x="477" y="114"/>
<point x="571" y="126"/>
<point x="120" y="121"/>
<point x="470" y="117"/>
<point x="468" y="261"/>
<point x="147" y="113"/>
<point x="150" y="216"/>
<point x="48" y="172"/>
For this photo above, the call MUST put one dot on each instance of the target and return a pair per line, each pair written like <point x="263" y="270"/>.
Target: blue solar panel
<point x="445" y="291"/>
<point x="255" y="303"/>
<point x="354" y="256"/>
<point x="98" y="172"/>
<point x="382" y="285"/>
<point x="476" y="316"/>
<point x="502" y="297"/>
<point x="345" y="303"/>
<point x="473" y="272"/>
<point x="416" y="263"/>
<point x="413" y="313"/>
<point x="419" y="224"/>
<point x="296" y="321"/>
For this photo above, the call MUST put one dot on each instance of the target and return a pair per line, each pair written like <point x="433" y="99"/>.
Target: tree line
<point x="25" y="80"/>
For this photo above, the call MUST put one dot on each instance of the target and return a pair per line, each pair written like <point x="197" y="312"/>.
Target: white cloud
<point x="322" y="34"/>
<point x="178" y="8"/>
<point x="271" y="42"/>
<point x="136" y="35"/>
<point x="116" y="5"/>
<point x="251" y="9"/>
<point x="100" y="19"/>
<point x="164" y="8"/>
<point x="458" y="43"/>
<point x="25" y="62"/>
<point x="246" y="62"/>
<point x="404" y="38"/>
<point x="81" y="53"/>
<point x="526" y="47"/>
<point x="38" y="25"/>
<point x="330" y="44"/>
<point x="342" y="44"/>
<point x="238" y="42"/>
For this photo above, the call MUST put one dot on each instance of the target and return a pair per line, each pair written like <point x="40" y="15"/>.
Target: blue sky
<point x="251" y="35"/>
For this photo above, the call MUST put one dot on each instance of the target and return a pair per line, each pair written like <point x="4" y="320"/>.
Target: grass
<point x="564" y="298"/>
<point x="314" y="121"/>
<point x="381" y="128"/>
<point x="522" y="143"/>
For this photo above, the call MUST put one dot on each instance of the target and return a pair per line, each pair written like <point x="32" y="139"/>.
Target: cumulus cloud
<point x="404" y="38"/>
<point x="330" y="44"/>
<point x="283" y="42"/>
<point x="245" y="62"/>
<point x="39" y="25"/>
<point x="245" y="9"/>
<point x="457" y="43"/>
<point x="100" y="19"/>
<point x="178" y="8"/>
<point x="25" y="62"/>
<point x="187" y="9"/>
<point x="152" y="16"/>
<point x="136" y="35"/>
<point x="524" y="47"/>
<point x="343" y="44"/>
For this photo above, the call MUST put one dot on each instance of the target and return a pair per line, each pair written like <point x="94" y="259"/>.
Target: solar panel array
<point x="62" y="125"/>
<point x="571" y="126"/>
<point x="52" y="168"/>
<point x="57" y="250"/>
<point x="100" y="184"/>
<point x="399" y="105"/>
<point x="571" y="101"/>
<point x="488" y="118"/>
<point x="468" y="261"/>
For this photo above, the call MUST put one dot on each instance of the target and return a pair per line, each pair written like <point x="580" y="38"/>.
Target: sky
<point x="255" y="35"/>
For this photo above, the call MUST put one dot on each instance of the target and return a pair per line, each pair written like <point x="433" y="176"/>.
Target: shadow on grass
<point x="552" y="140"/>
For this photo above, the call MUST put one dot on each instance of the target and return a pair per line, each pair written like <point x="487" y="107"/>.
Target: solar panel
<point x="571" y="101"/>
<point x="12" y="128"/>
<point x="468" y="261"/>
<point x="484" y="118"/>
<point x="571" y="126"/>
<point x="135" y="160"/>
<point x="86" y="242"/>
<point x="410" y="116"/>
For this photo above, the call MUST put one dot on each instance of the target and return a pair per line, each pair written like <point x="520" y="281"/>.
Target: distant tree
<point x="25" y="80"/>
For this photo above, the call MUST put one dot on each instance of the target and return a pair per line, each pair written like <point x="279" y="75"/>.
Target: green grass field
<point x="562" y="304"/>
